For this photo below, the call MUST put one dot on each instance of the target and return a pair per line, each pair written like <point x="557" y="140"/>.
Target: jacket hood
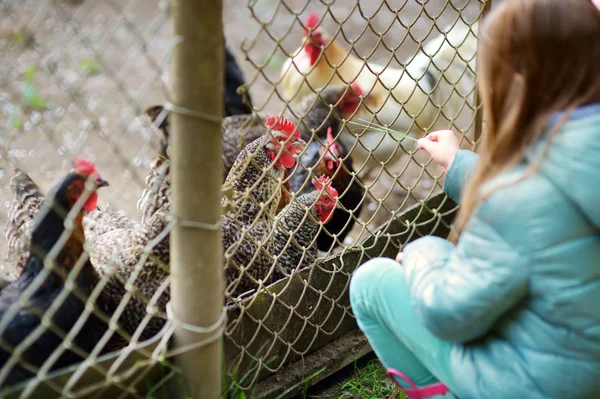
<point x="572" y="161"/>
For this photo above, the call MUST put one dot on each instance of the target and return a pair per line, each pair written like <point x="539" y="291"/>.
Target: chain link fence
<point x="358" y="81"/>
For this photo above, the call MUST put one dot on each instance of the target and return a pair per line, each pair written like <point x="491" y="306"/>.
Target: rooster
<point x="24" y="316"/>
<point x="299" y="223"/>
<point x="255" y="181"/>
<point x="429" y="92"/>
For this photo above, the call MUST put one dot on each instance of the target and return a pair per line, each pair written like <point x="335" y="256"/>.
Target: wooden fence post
<point x="196" y="169"/>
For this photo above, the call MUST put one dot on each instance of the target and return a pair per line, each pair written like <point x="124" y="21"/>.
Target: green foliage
<point x="16" y="119"/>
<point x="31" y="94"/>
<point x="89" y="66"/>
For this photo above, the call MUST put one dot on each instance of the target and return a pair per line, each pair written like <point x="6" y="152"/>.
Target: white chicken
<point x="430" y="92"/>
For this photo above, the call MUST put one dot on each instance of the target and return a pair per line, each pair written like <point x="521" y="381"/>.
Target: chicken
<point x="234" y="102"/>
<point x="326" y="122"/>
<point x="19" y="222"/>
<point x="240" y="130"/>
<point x="136" y="262"/>
<point x="429" y="93"/>
<point x="27" y="201"/>
<point x="255" y="181"/>
<point x="298" y="224"/>
<point x="27" y="298"/>
<point x="158" y="188"/>
<point x="135" y="257"/>
<point x="119" y="249"/>
<point x="332" y="160"/>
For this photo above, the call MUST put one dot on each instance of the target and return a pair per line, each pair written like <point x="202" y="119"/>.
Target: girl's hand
<point x="399" y="257"/>
<point x="441" y="145"/>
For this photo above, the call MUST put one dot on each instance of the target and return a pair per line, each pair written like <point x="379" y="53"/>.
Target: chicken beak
<point x="101" y="183"/>
<point x="299" y="146"/>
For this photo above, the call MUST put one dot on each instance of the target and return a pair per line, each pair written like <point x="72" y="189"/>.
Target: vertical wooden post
<point x="196" y="168"/>
<point x="487" y="6"/>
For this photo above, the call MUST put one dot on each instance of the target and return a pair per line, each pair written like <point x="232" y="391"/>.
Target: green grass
<point x="366" y="382"/>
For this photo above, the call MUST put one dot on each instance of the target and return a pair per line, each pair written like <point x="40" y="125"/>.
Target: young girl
<point x="510" y="308"/>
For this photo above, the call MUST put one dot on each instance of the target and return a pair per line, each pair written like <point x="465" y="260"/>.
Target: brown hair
<point x="536" y="57"/>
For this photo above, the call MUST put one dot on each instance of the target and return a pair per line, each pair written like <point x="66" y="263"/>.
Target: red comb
<point x="282" y="125"/>
<point x="329" y="136"/>
<point x="84" y="166"/>
<point x="325" y="181"/>
<point x="311" y="21"/>
<point x="356" y="89"/>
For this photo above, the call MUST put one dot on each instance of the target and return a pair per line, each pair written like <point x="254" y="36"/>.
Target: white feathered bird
<point x="432" y="89"/>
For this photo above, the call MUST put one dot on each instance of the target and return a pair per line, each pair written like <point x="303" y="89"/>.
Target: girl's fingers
<point x="433" y="136"/>
<point x="424" y="144"/>
<point x="399" y="257"/>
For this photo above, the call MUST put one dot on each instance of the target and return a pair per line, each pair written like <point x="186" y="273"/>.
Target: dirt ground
<point x="76" y="77"/>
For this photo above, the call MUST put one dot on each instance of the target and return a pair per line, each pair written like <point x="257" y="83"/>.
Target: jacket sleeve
<point x="460" y="292"/>
<point x="459" y="172"/>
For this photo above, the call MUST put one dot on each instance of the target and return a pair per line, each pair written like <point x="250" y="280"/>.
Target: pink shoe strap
<point x="417" y="393"/>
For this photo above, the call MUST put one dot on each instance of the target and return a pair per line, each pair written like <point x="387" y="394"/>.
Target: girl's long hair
<point x="536" y="57"/>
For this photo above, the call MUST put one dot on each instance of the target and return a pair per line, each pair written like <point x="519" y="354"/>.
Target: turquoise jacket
<point x="519" y="295"/>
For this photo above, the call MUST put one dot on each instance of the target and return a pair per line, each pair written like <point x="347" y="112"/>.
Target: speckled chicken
<point x="136" y="261"/>
<point x="19" y="222"/>
<point x="135" y="257"/>
<point x="158" y="188"/>
<point x="48" y="228"/>
<point x="297" y="225"/>
<point x="314" y="113"/>
<point x="255" y="181"/>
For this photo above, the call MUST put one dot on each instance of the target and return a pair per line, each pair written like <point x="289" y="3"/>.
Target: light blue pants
<point x="381" y="305"/>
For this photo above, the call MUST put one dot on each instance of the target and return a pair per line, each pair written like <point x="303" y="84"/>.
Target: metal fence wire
<point x="323" y="103"/>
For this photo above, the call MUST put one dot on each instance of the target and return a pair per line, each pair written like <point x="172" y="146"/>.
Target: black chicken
<point x="49" y="227"/>
<point x="327" y="155"/>
<point x="234" y="103"/>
